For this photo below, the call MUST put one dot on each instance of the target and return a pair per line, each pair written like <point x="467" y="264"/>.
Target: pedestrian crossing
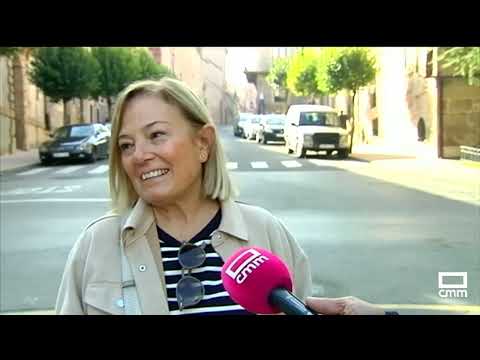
<point x="274" y="165"/>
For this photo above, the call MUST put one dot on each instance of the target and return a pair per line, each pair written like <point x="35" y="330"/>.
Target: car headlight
<point x="85" y="147"/>
<point x="267" y="129"/>
<point x="308" y="140"/>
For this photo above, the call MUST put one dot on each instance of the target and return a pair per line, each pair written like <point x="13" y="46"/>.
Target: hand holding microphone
<point x="260" y="282"/>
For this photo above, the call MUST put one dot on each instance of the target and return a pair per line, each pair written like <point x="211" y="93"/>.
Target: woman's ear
<point x="205" y="141"/>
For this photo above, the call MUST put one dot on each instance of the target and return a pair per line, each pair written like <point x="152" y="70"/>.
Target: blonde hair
<point x="216" y="180"/>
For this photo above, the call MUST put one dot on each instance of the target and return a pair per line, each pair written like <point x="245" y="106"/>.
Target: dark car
<point x="271" y="128"/>
<point x="76" y="142"/>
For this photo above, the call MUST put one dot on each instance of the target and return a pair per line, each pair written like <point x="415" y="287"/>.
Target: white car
<point x="250" y="127"/>
<point x="316" y="128"/>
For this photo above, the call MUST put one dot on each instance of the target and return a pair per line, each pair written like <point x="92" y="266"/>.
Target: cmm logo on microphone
<point x="244" y="265"/>
<point x="452" y="290"/>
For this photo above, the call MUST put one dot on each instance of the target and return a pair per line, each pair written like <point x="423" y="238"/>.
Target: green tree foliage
<point x="147" y="67"/>
<point x="301" y="74"/>
<point x="464" y="61"/>
<point x="64" y="73"/>
<point x="346" y="69"/>
<point x="9" y="51"/>
<point x="277" y="76"/>
<point x="117" y="69"/>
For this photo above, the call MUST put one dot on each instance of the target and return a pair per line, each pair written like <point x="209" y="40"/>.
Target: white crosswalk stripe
<point x="291" y="164"/>
<point x="33" y="171"/>
<point x="69" y="169"/>
<point x="319" y="162"/>
<point x="232" y="165"/>
<point x="99" y="169"/>
<point x="259" y="165"/>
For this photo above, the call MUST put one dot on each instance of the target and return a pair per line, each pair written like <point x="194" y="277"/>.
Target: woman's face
<point x="160" y="151"/>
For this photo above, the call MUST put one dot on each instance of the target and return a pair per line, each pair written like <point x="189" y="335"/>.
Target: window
<point x="373" y="99"/>
<point x="429" y="64"/>
<point x="320" y="119"/>
<point x="375" y="127"/>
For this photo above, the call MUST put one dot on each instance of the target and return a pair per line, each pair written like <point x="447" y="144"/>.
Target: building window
<point x="375" y="127"/>
<point x="373" y="99"/>
<point x="429" y="64"/>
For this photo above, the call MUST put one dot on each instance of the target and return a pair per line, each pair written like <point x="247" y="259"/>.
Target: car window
<point x="80" y="131"/>
<point x="317" y="118"/>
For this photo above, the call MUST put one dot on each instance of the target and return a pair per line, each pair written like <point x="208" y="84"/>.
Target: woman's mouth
<point x="154" y="173"/>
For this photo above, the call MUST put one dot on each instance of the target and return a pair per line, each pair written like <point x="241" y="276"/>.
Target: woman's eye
<point x="124" y="147"/>
<point x="157" y="134"/>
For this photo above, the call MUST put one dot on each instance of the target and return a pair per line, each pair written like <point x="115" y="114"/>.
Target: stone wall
<point x="461" y="116"/>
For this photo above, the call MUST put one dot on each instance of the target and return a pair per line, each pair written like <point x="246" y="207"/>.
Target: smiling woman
<point x="174" y="219"/>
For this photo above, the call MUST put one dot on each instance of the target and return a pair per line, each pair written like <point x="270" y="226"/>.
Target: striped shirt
<point x="216" y="300"/>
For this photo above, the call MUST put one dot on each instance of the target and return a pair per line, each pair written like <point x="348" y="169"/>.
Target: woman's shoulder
<point x="103" y="227"/>
<point x="254" y="210"/>
<point x="257" y="214"/>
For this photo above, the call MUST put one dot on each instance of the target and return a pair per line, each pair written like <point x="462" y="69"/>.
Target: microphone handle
<point x="288" y="303"/>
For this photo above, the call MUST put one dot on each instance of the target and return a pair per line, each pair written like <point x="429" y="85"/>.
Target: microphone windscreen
<point x="250" y="275"/>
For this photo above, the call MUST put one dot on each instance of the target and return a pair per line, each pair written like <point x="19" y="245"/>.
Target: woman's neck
<point x="184" y="219"/>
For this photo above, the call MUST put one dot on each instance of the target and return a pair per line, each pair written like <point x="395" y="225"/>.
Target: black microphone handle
<point x="288" y="303"/>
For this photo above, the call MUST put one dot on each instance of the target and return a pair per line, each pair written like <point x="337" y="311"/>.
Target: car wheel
<point x="300" y="151"/>
<point x="94" y="156"/>
<point x="343" y="154"/>
<point x="45" y="162"/>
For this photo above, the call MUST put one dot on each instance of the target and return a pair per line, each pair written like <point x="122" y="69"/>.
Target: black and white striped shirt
<point x="216" y="300"/>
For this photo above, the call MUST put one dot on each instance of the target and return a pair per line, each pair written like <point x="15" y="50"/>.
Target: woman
<point x="172" y="197"/>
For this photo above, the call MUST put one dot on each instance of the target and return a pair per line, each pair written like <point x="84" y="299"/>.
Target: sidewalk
<point x="18" y="160"/>
<point x="453" y="179"/>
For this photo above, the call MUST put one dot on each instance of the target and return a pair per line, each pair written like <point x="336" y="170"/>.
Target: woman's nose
<point x="141" y="153"/>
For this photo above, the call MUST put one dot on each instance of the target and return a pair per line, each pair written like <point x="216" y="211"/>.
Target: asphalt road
<point x="373" y="239"/>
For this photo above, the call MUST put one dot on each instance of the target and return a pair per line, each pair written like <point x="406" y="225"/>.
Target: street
<point x="366" y="237"/>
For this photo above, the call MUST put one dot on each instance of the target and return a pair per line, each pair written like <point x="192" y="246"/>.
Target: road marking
<point x="232" y="165"/>
<point x="69" y="169"/>
<point x="99" y="169"/>
<point x="321" y="162"/>
<point x="47" y="190"/>
<point x="291" y="164"/>
<point x="259" y="165"/>
<point x="32" y="172"/>
<point x="52" y="200"/>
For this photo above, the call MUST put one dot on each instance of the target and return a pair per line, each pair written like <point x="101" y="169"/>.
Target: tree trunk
<point x="66" y="118"/>
<point x="109" y="102"/>
<point x="82" y="119"/>
<point x="353" y="119"/>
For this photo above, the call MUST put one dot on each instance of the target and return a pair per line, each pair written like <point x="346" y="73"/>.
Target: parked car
<point x="79" y="141"/>
<point x="250" y="127"/>
<point x="239" y="123"/>
<point x="316" y="128"/>
<point x="271" y="128"/>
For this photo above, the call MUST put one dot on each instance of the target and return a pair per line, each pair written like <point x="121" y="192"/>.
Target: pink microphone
<point x="261" y="282"/>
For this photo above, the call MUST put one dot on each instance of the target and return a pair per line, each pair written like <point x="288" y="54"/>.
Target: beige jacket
<point x="91" y="282"/>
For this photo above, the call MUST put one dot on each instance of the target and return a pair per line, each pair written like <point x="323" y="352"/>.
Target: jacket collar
<point x="233" y="222"/>
<point x="137" y="222"/>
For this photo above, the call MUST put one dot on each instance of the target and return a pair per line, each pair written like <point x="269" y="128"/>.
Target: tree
<point x="9" y="51"/>
<point x="301" y="74"/>
<point x="348" y="69"/>
<point x="117" y="69"/>
<point x="277" y="76"/>
<point x="63" y="73"/>
<point x="464" y="61"/>
<point x="146" y="67"/>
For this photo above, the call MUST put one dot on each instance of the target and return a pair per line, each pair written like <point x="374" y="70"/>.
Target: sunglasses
<point x="190" y="290"/>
